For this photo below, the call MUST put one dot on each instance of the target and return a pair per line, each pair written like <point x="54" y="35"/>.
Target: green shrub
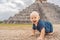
<point x="1" y="22"/>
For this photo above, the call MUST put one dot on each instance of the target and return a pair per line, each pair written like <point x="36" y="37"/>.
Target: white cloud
<point x="6" y="8"/>
<point x="56" y="2"/>
<point x="10" y="7"/>
<point x="21" y="2"/>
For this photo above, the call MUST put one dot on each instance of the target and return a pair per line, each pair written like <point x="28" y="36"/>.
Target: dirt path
<point x="24" y="35"/>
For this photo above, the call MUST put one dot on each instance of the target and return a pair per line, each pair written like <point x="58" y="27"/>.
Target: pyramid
<point x="47" y="11"/>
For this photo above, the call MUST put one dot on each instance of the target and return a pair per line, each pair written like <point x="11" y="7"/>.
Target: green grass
<point x="15" y="26"/>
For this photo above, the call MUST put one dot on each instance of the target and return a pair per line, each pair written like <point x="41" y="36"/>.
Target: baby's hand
<point x="32" y="35"/>
<point x="40" y="38"/>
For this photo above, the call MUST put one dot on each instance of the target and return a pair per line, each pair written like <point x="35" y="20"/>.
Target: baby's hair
<point x="34" y="13"/>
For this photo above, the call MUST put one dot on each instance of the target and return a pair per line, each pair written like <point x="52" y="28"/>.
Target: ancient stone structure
<point x="47" y="12"/>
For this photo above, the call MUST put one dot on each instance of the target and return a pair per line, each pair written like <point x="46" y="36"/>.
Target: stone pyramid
<point x="47" y="11"/>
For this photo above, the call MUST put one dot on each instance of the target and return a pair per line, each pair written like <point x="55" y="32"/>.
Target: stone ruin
<point x="47" y="11"/>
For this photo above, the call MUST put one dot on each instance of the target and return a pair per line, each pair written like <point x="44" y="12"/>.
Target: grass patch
<point x="15" y="26"/>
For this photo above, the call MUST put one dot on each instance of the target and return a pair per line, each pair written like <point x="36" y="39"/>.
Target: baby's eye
<point x="35" y="17"/>
<point x="32" y="18"/>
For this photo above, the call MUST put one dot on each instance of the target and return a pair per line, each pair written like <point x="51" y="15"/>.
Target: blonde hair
<point x="34" y="13"/>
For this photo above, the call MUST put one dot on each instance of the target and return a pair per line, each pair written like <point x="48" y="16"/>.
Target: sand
<point x="24" y="34"/>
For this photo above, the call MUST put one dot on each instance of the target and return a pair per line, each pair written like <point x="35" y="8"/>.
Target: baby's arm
<point x="42" y="34"/>
<point x="33" y="32"/>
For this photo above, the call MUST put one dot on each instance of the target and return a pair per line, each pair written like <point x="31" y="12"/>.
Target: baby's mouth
<point x="34" y="21"/>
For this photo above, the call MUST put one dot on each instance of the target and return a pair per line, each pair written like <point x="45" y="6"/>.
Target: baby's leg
<point x="51" y="29"/>
<point x="50" y="33"/>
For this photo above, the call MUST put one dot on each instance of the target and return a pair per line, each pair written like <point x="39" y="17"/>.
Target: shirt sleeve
<point x="34" y="27"/>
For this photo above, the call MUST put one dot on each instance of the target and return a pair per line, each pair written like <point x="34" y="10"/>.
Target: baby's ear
<point x="39" y="17"/>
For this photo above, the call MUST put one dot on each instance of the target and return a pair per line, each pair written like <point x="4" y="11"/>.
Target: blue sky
<point x="10" y="7"/>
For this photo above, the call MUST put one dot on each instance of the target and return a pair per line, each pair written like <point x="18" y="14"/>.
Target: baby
<point x="44" y="27"/>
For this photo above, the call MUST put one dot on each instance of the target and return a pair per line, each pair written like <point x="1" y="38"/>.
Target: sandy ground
<point x="24" y="34"/>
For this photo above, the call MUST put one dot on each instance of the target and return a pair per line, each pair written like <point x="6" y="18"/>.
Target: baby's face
<point x="34" y="19"/>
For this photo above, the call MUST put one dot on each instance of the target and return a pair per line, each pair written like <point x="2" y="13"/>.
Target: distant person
<point x="42" y="1"/>
<point x="44" y="27"/>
